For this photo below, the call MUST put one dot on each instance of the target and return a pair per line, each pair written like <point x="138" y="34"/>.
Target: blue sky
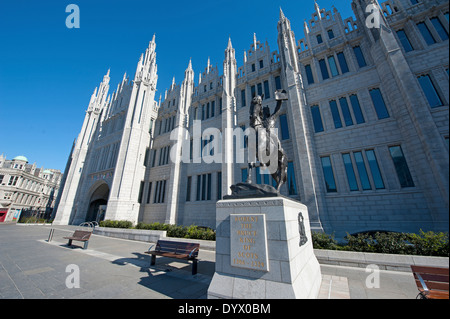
<point x="48" y="72"/>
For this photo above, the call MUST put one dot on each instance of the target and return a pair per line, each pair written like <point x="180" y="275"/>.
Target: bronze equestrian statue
<point x="263" y="123"/>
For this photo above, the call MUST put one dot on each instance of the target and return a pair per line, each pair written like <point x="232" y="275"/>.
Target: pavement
<point x="31" y="267"/>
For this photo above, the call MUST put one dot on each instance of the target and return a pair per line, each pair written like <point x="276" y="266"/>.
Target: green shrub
<point x="324" y="241"/>
<point x="116" y="224"/>
<point x="430" y="243"/>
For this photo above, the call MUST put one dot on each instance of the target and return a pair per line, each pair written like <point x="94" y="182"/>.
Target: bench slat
<point x="432" y="282"/>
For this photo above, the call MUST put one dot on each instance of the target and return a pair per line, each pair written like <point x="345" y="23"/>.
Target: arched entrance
<point x="98" y="202"/>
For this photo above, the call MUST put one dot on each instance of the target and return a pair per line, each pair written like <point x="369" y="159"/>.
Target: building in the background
<point x="365" y="127"/>
<point x="26" y="189"/>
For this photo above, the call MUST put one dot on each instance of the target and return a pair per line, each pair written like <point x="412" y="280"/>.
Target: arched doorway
<point x="98" y="202"/>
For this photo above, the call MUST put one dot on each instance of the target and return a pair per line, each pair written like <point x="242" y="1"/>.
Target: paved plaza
<point x="31" y="267"/>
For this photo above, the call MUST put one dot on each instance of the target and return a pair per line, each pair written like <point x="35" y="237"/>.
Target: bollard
<point x="50" y="236"/>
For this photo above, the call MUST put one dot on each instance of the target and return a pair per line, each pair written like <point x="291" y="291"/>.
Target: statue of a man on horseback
<point x="268" y="146"/>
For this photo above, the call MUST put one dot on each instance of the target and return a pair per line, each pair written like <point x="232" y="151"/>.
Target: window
<point x="291" y="184"/>
<point x="253" y="67"/>
<point x="360" y="165"/>
<point x="330" y="34"/>
<point x="319" y="39"/>
<point x="309" y="74"/>
<point x="244" y="174"/>
<point x="343" y="62"/>
<point x="336" y="116"/>
<point x="323" y="69"/>
<point x="149" y="192"/>
<point x="243" y="102"/>
<point x="346" y="111"/>
<point x="160" y="192"/>
<point x="401" y="167"/>
<point x="333" y="66"/>
<point x="430" y="91"/>
<point x="188" y="189"/>
<point x="266" y="90"/>
<point x="1" y="178"/>
<point x="439" y="28"/>
<point x="359" y="117"/>
<point x="260" y="91"/>
<point x="261" y="64"/>
<point x="404" y="41"/>
<point x="317" y="119"/>
<point x="413" y="2"/>
<point x="375" y="169"/>
<point x="278" y="83"/>
<point x="253" y="91"/>
<point x="284" y="127"/>
<point x="359" y="56"/>
<point x="141" y="192"/>
<point x="328" y="174"/>
<point x="378" y="102"/>
<point x="351" y="177"/>
<point x="262" y="175"/>
<point x="426" y="34"/>
<point x="199" y="185"/>
<point x="219" y="185"/>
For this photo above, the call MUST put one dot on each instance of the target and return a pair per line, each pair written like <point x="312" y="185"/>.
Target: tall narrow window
<point x="199" y="187"/>
<point x="343" y="62"/>
<point x="260" y="90"/>
<point x="266" y="90"/>
<point x="309" y="74"/>
<point x="278" y="82"/>
<point x="430" y="91"/>
<point x="333" y="66"/>
<point x="149" y="192"/>
<point x="359" y="117"/>
<point x="439" y="28"/>
<point x="188" y="189"/>
<point x="323" y="69"/>
<point x="219" y="185"/>
<point x="336" y="116"/>
<point x="328" y="174"/>
<point x="426" y="34"/>
<point x="378" y="102"/>
<point x="141" y="192"/>
<point x="243" y="102"/>
<point x="346" y="111"/>
<point x="317" y="119"/>
<point x="361" y="166"/>
<point x="359" y="56"/>
<point x="204" y="176"/>
<point x="401" y="167"/>
<point x="253" y="91"/>
<point x="284" y="127"/>
<point x="404" y="41"/>
<point x="244" y="175"/>
<point x="292" y="185"/>
<point x="375" y="169"/>
<point x="351" y="177"/>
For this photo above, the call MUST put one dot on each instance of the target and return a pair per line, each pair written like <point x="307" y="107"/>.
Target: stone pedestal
<point x="264" y="250"/>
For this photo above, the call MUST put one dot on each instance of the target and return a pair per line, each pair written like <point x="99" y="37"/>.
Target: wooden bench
<point x="80" y="235"/>
<point x="178" y="250"/>
<point x="432" y="282"/>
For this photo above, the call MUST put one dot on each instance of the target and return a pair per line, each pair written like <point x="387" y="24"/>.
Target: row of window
<point x="363" y="172"/>
<point x="347" y="110"/>
<point x="335" y="65"/>
<point x="159" y="193"/>
<point x="204" y="187"/>
<point x="25" y="184"/>
<point x="425" y="29"/>
<point x="105" y="157"/>
<point x="164" y="155"/>
<point x="169" y="125"/>
<point x="257" y="89"/>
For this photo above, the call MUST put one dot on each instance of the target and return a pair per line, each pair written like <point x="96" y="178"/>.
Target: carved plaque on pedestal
<point x="248" y="242"/>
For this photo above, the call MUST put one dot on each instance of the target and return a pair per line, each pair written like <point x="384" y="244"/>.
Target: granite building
<point x="27" y="188"/>
<point x="365" y="128"/>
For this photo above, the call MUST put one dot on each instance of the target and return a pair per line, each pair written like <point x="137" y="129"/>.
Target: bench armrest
<point x="422" y="282"/>
<point x="150" y="248"/>
<point x="192" y="252"/>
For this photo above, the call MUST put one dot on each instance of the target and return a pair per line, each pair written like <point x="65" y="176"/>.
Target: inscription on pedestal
<point x="249" y="242"/>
